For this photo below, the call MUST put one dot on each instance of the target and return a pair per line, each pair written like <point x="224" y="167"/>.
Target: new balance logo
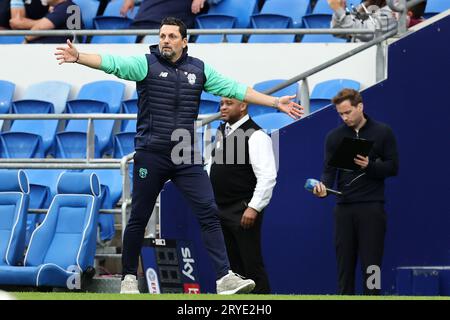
<point x="164" y="74"/>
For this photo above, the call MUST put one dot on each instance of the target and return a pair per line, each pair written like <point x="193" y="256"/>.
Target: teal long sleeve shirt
<point x="135" y="68"/>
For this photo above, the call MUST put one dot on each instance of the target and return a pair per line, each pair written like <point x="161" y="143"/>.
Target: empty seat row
<point x="64" y="244"/>
<point x="321" y="95"/>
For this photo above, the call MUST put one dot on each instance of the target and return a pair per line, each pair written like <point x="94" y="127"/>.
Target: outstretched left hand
<point x="286" y="105"/>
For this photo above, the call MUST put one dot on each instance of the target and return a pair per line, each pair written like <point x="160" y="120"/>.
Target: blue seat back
<point x="209" y="103"/>
<point x="11" y="39"/>
<point x="72" y="144"/>
<point x="89" y="10"/>
<point x="322" y="6"/>
<point x="14" y="201"/>
<point x="273" y="121"/>
<point x="39" y="199"/>
<point x="107" y="91"/>
<point x="67" y="236"/>
<point x="123" y="144"/>
<point x="21" y="145"/>
<point x="295" y="9"/>
<point x="317" y="21"/>
<point x="55" y="92"/>
<point x="103" y="128"/>
<point x="130" y="106"/>
<point x="45" y="129"/>
<point x="328" y="89"/>
<point x="107" y="23"/>
<point x="113" y="23"/>
<point x="436" y="6"/>
<point x="323" y="92"/>
<point x="242" y="10"/>
<point x="113" y="9"/>
<point x="213" y="21"/>
<point x="110" y="92"/>
<point x="271" y="21"/>
<point x="254" y="110"/>
<point x="6" y="95"/>
<point x="112" y="179"/>
<point x="45" y="177"/>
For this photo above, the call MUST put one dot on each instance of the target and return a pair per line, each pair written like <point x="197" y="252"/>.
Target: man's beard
<point x="168" y="54"/>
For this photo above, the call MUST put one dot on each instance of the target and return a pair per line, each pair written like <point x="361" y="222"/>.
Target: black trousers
<point x="359" y="231"/>
<point x="244" y="245"/>
<point x="150" y="171"/>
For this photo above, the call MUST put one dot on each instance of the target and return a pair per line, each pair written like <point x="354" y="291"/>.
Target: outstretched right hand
<point x="68" y="54"/>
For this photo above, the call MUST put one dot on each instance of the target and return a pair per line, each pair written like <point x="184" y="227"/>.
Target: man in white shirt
<point x="243" y="175"/>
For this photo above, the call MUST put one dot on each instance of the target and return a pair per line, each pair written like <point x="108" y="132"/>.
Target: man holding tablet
<point x="360" y="219"/>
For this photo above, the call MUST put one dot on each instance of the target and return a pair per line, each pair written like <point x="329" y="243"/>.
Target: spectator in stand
<point x="32" y="9"/>
<point x="58" y="18"/>
<point x="415" y="14"/>
<point x="152" y="12"/>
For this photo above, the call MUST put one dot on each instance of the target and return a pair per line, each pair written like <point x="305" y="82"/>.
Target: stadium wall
<point x="247" y="63"/>
<point x="298" y="228"/>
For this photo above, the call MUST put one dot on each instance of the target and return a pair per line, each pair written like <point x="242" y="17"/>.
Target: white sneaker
<point x="233" y="283"/>
<point x="129" y="285"/>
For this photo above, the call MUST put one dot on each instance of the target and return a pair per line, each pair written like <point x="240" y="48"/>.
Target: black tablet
<point x="347" y="151"/>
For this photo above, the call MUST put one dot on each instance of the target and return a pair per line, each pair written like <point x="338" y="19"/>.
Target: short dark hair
<point x="171" y="21"/>
<point x="418" y="10"/>
<point x="347" y="94"/>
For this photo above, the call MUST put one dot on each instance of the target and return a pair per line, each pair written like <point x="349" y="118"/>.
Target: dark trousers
<point x="244" y="246"/>
<point x="359" y="231"/>
<point x="151" y="170"/>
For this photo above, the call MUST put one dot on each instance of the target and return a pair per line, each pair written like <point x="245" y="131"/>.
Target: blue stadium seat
<point x="89" y="10"/>
<point x="21" y="145"/>
<point x="45" y="177"/>
<point x="271" y="21"/>
<point x="39" y="199"/>
<point x="64" y="244"/>
<point x="272" y="121"/>
<point x="353" y="3"/>
<point x="323" y="92"/>
<point x="317" y="21"/>
<point x="107" y="229"/>
<point x="6" y="95"/>
<point x="113" y="9"/>
<point x="107" y="91"/>
<point x="216" y="21"/>
<point x="112" y="19"/>
<point x="130" y="106"/>
<point x="43" y="97"/>
<point x="322" y="7"/>
<point x="94" y="97"/>
<point x="242" y="10"/>
<point x="123" y="144"/>
<point x="11" y="39"/>
<point x="209" y="103"/>
<point x="291" y="90"/>
<point x="72" y="144"/>
<point x="14" y="200"/>
<point x="113" y="180"/>
<point x="107" y="23"/>
<point x="295" y="9"/>
<point x="55" y="92"/>
<point x="435" y="6"/>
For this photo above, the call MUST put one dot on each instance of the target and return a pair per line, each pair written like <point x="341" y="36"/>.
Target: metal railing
<point x="193" y="32"/>
<point x="83" y="163"/>
<point x="123" y="164"/>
